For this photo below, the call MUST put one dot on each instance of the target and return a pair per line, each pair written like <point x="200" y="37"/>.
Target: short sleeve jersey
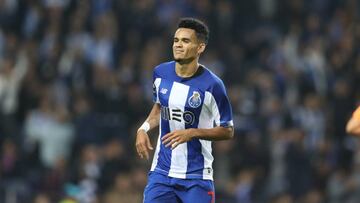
<point x="199" y="101"/>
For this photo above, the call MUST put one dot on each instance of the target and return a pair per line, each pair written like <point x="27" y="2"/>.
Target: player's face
<point x="186" y="46"/>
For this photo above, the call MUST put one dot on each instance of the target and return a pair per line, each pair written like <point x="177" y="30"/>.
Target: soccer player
<point x="191" y="109"/>
<point x="353" y="125"/>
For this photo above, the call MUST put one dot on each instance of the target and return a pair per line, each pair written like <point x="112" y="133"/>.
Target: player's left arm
<point x="177" y="137"/>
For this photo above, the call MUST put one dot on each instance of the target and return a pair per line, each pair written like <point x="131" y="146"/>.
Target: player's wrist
<point x="192" y="133"/>
<point x="144" y="127"/>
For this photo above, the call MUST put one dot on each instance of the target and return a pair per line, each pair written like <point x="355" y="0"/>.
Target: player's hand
<point x="142" y="144"/>
<point x="177" y="137"/>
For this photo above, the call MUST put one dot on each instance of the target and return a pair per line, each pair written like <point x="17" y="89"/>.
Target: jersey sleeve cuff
<point x="226" y="123"/>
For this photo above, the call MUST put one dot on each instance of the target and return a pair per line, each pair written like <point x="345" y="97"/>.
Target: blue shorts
<point x="164" y="189"/>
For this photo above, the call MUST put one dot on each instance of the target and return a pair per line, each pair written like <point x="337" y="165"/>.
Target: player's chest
<point x="179" y="95"/>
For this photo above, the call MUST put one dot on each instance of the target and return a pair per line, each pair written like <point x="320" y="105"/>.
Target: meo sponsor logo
<point x="177" y="115"/>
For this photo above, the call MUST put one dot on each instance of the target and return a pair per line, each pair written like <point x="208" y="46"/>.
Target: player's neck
<point x="187" y="69"/>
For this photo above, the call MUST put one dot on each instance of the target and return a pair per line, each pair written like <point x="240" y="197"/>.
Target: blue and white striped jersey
<point x="199" y="101"/>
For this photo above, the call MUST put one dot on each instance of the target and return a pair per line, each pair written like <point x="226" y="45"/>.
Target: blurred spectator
<point x="244" y="186"/>
<point x="48" y="126"/>
<point x="114" y="161"/>
<point x="41" y="198"/>
<point x="311" y="118"/>
<point x="122" y="191"/>
<point x="13" y="70"/>
<point x="299" y="175"/>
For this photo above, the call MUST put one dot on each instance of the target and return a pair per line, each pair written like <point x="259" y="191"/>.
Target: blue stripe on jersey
<point x="164" y="158"/>
<point x="195" y="158"/>
<point x="222" y="102"/>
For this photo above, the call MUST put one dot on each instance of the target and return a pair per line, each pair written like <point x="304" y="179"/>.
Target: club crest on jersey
<point x="195" y="100"/>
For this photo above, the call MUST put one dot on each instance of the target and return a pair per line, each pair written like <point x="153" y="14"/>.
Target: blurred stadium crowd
<point x="75" y="83"/>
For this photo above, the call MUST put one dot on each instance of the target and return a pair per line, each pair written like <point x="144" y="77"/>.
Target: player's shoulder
<point x="212" y="79"/>
<point x="163" y="68"/>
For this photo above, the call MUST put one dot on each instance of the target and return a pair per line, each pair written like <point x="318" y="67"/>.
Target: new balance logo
<point x="163" y="90"/>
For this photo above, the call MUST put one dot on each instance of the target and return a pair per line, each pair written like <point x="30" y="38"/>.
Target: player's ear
<point x="201" y="48"/>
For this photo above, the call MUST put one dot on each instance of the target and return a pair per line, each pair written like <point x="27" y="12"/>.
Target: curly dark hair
<point x="201" y="29"/>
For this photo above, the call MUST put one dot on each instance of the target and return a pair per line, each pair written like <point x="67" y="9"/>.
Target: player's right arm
<point x="353" y="125"/>
<point x="142" y="144"/>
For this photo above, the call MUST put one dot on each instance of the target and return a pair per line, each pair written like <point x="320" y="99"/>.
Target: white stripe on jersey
<point x="157" y="85"/>
<point x="206" y="121"/>
<point x="157" y="150"/>
<point x="179" y="155"/>
<point x="214" y="108"/>
<point x="208" y="159"/>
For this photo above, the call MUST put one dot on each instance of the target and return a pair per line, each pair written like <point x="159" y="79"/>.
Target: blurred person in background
<point x="13" y="68"/>
<point x="122" y="190"/>
<point x="49" y="127"/>
<point x="299" y="174"/>
<point x="186" y="108"/>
